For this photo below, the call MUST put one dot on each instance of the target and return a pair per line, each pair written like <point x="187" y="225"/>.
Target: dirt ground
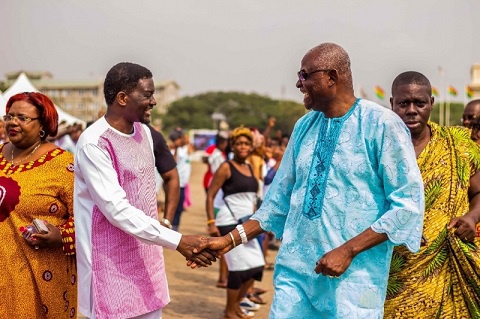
<point x="193" y="293"/>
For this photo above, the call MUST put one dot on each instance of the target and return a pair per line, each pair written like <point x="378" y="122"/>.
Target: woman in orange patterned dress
<point x="38" y="274"/>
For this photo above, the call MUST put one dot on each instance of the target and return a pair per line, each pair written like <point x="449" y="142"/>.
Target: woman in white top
<point x="239" y="185"/>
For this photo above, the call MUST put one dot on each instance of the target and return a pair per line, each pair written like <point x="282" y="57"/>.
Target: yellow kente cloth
<point x="442" y="280"/>
<point x="36" y="283"/>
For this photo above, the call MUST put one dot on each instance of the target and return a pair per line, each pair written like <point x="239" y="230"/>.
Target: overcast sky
<point x="248" y="45"/>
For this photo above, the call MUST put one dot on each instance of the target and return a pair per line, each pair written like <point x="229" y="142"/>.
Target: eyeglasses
<point x="469" y="117"/>
<point x="20" y="118"/>
<point x="303" y="75"/>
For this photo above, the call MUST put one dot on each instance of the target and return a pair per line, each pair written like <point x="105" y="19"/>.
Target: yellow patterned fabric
<point x="443" y="279"/>
<point x="36" y="283"/>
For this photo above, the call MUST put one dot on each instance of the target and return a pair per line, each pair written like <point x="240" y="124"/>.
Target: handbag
<point x="241" y="220"/>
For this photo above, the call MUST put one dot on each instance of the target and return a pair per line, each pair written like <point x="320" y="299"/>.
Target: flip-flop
<point x="256" y="299"/>
<point x="259" y="291"/>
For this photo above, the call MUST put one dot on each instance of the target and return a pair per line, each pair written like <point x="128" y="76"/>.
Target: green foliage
<point x="3" y="86"/>
<point x="456" y="112"/>
<point x="251" y="110"/>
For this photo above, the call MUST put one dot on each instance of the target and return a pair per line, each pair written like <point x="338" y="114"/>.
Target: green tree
<point x="251" y="110"/>
<point x="3" y="86"/>
<point x="456" y="112"/>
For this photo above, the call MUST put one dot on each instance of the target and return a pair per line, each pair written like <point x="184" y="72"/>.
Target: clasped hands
<point x="201" y="251"/>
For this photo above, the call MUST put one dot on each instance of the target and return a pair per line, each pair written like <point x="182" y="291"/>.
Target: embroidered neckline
<point x="326" y="144"/>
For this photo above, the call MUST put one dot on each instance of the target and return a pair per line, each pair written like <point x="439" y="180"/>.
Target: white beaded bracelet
<point x="243" y="235"/>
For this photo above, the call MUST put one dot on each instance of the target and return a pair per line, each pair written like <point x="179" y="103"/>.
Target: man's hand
<point x="335" y="262"/>
<point x="219" y="245"/>
<point x="194" y="248"/>
<point x="52" y="239"/>
<point x="465" y="228"/>
<point x="271" y="121"/>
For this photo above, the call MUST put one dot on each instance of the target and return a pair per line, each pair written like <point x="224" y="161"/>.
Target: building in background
<point x="475" y="83"/>
<point x="84" y="99"/>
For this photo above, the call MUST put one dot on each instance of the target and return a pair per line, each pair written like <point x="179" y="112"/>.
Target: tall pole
<point x="443" y="90"/>
<point x="447" y="111"/>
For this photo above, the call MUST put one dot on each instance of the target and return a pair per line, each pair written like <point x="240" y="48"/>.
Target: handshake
<point x="201" y="251"/>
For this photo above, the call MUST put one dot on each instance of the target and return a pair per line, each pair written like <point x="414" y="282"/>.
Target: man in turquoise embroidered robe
<point x="347" y="191"/>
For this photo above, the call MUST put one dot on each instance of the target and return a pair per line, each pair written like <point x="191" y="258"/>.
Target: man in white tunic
<point x="347" y="191"/>
<point x="121" y="273"/>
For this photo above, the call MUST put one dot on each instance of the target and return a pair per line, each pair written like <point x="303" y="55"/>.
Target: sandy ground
<point x="193" y="292"/>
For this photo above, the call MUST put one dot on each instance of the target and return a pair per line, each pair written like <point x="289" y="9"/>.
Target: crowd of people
<point x="376" y="209"/>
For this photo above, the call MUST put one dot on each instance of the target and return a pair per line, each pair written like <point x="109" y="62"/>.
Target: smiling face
<point x="314" y="82"/>
<point x="140" y="101"/>
<point x="471" y="112"/>
<point x="413" y="103"/>
<point x="23" y="134"/>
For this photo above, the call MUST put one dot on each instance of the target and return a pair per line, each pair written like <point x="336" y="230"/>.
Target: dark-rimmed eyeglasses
<point x="20" y="118"/>
<point x="303" y="75"/>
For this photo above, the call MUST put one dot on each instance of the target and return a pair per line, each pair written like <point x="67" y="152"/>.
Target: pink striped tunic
<point x="120" y="260"/>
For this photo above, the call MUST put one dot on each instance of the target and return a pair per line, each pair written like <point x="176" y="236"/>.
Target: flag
<point x="452" y="91"/>
<point x="469" y="91"/>
<point x="434" y="91"/>
<point x="379" y="92"/>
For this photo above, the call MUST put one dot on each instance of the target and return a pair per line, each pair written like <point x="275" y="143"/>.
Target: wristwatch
<point x="167" y="222"/>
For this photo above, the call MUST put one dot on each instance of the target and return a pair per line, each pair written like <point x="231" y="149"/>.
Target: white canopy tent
<point x="3" y="102"/>
<point x="23" y="84"/>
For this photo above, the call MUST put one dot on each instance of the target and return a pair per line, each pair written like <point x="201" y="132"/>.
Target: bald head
<point x="411" y="77"/>
<point x="471" y="111"/>
<point x="332" y="56"/>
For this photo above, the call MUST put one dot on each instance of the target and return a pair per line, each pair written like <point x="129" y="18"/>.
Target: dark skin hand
<point x="172" y="193"/>
<point x="466" y="224"/>
<point x="336" y="262"/>
<point x="223" y="244"/>
<point x="52" y="239"/>
<point x="202" y="259"/>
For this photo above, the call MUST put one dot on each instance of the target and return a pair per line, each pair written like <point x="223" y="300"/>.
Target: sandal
<point x="259" y="291"/>
<point x="269" y="266"/>
<point x="256" y="299"/>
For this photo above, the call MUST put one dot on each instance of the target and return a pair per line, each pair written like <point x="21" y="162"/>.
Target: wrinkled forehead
<point x="310" y="59"/>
